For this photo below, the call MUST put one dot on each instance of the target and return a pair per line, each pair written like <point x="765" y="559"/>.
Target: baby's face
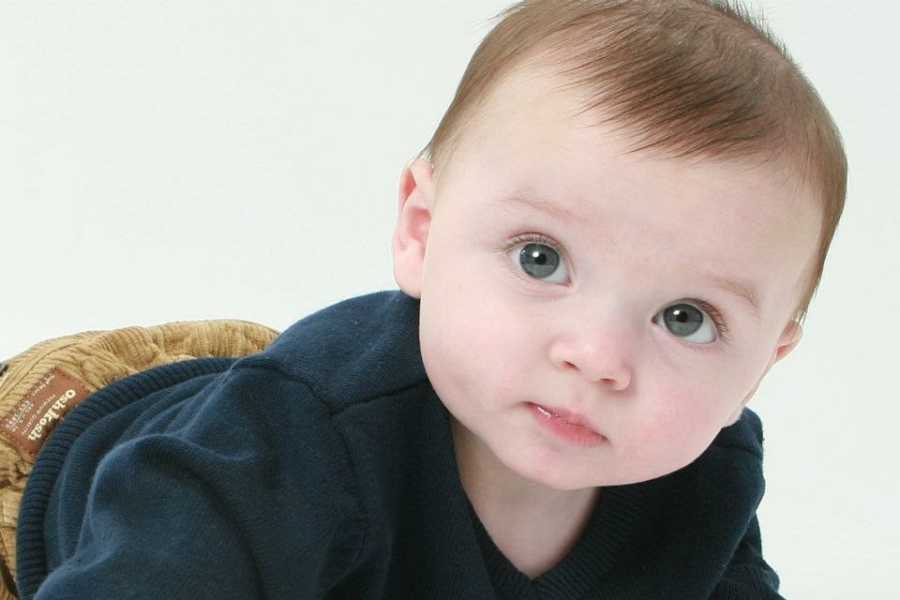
<point x="649" y="295"/>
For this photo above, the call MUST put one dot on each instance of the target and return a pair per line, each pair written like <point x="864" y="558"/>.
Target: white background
<point x="164" y="161"/>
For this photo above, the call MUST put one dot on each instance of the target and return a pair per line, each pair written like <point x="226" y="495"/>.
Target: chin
<point x="551" y="476"/>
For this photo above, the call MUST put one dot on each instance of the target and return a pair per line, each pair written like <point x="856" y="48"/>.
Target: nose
<point x="598" y="362"/>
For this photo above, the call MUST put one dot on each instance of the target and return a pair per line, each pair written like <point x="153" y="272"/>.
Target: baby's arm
<point x="244" y="495"/>
<point x="156" y="526"/>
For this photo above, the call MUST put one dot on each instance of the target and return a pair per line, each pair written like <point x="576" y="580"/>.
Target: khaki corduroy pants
<point x="40" y="386"/>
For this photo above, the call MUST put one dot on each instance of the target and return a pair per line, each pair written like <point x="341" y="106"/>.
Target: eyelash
<point x="712" y="311"/>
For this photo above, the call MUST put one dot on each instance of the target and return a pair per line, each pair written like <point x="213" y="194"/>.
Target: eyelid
<point x="540" y="238"/>
<point x="716" y="315"/>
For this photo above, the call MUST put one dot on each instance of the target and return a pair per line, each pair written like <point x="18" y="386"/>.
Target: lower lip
<point x="574" y="434"/>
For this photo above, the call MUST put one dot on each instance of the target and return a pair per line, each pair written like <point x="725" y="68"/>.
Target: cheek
<point x="674" y="427"/>
<point x="473" y="347"/>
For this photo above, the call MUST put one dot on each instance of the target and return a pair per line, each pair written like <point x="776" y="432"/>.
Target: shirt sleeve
<point x="748" y="576"/>
<point x="246" y="492"/>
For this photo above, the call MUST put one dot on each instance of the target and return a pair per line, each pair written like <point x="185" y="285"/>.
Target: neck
<point x="532" y="524"/>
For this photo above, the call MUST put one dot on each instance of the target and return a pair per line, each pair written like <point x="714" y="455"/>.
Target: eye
<point x="539" y="259"/>
<point x="685" y="320"/>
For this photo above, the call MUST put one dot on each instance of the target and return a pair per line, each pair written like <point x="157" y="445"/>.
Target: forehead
<point x="530" y="152"/>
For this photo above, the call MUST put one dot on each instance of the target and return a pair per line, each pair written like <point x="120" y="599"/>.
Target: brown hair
<point x="686" y="77"/>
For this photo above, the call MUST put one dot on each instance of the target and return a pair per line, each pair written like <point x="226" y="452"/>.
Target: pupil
<point x="538" y="260"/>
<point x="683" y="319"/>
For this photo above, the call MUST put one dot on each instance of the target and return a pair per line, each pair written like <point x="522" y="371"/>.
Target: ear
<point x="788" y="340"/>
<point x="415" y="208"/>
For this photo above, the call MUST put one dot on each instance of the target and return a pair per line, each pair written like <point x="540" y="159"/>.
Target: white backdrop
<point x="164" y="161"/>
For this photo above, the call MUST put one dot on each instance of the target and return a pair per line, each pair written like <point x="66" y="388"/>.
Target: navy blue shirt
<point x="323" y="467"/>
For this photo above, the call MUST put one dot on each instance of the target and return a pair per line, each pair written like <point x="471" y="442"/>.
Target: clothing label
<point x="30" y="422"/>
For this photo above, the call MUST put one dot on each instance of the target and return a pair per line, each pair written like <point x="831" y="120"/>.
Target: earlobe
<point x="415" y="206"/>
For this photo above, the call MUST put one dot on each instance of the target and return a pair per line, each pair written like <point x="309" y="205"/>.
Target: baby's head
<point x="624" y="214"/>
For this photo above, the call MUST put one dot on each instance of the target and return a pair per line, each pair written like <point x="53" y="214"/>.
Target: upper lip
<point x="571" y="417"/>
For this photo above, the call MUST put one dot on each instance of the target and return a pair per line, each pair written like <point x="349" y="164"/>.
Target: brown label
<point x="28" y="424"/>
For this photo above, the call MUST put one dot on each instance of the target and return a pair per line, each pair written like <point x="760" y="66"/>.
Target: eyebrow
<point x="740" y="289"/>
<point x="549" y="208"/>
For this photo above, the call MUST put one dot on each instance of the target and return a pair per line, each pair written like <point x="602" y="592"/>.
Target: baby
<point x="613" y="235"/>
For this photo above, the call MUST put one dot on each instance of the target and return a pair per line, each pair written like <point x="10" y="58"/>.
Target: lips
<point x="568" y="416"/>
<point x="567" y="426"/>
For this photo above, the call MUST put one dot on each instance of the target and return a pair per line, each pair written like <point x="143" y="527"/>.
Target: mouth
<point x="568" y="416"/>
<point x="567" y="425"/>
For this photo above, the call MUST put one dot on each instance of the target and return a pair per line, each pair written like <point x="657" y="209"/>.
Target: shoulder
<point x="732" y="466"/>
<point x="360" y="348"/>
<point x="745" y="434"/>
<point x="722" y="487"/>
<point x="204" y="407"/>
